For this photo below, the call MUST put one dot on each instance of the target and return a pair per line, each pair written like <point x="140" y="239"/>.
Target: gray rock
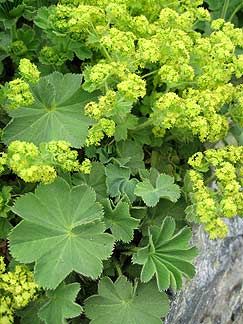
<point x="215" y="295"/>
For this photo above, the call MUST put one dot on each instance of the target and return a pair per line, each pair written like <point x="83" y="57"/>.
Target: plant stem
<point x="235" y="11"/>
<point x="135" y="288"/>
<point x="210" y="179"/>
<point x="118" y="268"/>
<point x="148" y="74"/>
<point x="225" y="8"/>
<point x="144" y="125"/>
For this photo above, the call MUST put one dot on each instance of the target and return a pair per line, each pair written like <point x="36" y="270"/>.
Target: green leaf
<point x="29" y="314"/>
<point x="120" y="303"/>
<point x="96" y="179"/>
<point x="56" y="114"/>
<point x="116" y="177"/>
<point x="120" y="221"/>
<point x="61" y="232"/>
<point x="42" y="19"/>
<point x="129" y="122"/>
<point x="164" y="187"/>
<point x="61" y="304"/>
<point x="5" y="228"/>
<point x="167" y="256"/>
<point x="163" y="209"/>
<point x="225" y="9"/>
<point x="119" y="183"/>
<point x="81" y="50"/>
<point x="133" y="151"/>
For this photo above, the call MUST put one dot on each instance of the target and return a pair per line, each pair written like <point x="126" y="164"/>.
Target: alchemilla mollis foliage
<point x="121" y="127"/>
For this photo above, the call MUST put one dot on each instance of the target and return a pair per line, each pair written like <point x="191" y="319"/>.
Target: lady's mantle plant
<point x="116" y="117"/>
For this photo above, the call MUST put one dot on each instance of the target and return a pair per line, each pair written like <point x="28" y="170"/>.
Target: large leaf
<point x="60" y="304"/>
<point x="164" y="187"/>
<point x="56" y="114"/>
<point x="120" y="221"/>
<point x="61" y="232"/>
<point x="121" y="303"/>
<point x="167" y="256"/>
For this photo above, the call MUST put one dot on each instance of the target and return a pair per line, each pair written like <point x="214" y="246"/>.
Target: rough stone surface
<point x="215" y="295"/>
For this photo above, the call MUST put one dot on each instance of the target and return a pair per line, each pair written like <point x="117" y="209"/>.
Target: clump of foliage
<point x="121" y="126"/>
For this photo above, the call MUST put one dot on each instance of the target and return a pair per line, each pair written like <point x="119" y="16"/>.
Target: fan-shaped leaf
<point x="56" y="114"/>
<point x="61" y="232"/>
<point x="60" y="304"/>
<point x="168" y="256"/>
<point x="164" y="188"/>
<point x="120" y="221"/>
<point x="122" y="303"/>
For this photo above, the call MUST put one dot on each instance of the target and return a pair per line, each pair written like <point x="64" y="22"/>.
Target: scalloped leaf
<point x="61" y="304"/>
<point x="56" y="114"/>
<point x="167" y="256"/>
<point x="61" y="232"/>
<point x="163" y="187"/>
<point x="119" y="220"/>
<point x="120" y="303"/>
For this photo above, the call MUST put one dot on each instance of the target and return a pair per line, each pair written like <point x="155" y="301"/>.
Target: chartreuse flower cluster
<point x="17" y="289"/>
<point x="227" y="199"/>
<point x="33" y="164"/>
<point x="18" y="92"/>
<point x="195" y="113"/>
<point x="151" y="82"/>
<point x="158" y="38"/>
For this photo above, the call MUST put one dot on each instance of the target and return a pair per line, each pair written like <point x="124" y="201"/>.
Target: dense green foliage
<point x="121" y="127"/>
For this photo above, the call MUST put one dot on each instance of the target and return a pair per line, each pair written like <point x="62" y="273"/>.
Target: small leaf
<point x="164" y="188"/>
<point x="121" y="303"/>
<point x="5" y="228"/>
<point x="129" y="122"/>
<point x="167" y="256"/>
<point x="96" y="179"/>
<point x="120" y="221"/>
<point x="61" y="232"/>
<point x="60" y="304"/>
<point x="133" y="151"/>
<point x="56" y="114"/>
<point x="116" y="177"/>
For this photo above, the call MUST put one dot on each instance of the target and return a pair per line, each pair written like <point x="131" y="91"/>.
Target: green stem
<point x="150" y="73"/>
<point x="225" y="8"/>
<point x="210" y="179"/>
<point x="135" y="288"/>
<point x="118" y="268"/>
<point x="144" y="125"/>
<point x="235" y="11"/>
<point x="103" y="49"/>
<point x="13" y="32"/>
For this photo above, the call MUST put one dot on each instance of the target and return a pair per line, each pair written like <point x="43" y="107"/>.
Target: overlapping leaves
<point x="61" y="232"/>
<point x="167" y="256"/>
